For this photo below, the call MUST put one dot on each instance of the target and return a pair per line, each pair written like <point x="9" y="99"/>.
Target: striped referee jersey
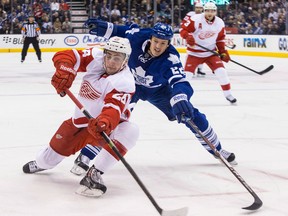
<point x="30" y="29"/>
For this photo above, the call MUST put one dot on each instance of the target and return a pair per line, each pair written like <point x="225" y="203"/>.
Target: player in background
<point x="207" y="30"/>
<point x="198" y="9"/>
<point x="160" y="80"/>
<point x="106" y="90"/>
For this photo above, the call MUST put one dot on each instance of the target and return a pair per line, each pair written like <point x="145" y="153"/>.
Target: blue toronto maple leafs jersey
<point x="153" y="72"/>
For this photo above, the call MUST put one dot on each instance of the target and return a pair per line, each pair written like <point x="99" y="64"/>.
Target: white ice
<point x="174" y="167"/>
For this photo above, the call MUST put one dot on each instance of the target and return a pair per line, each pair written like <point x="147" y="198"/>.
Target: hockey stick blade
<point x="257" y="72"/>
<point x="177" y="212"/>
<point x="231" y="47"/>
<point x="266" y="70"/>
<point x="256" y="205"/>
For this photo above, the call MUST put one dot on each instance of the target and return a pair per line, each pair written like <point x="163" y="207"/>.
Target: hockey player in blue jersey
<point x="160" y="80"/>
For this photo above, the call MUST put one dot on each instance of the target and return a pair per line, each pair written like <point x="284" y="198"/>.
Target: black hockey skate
<point x="81" y="165"/>
<point x="31" y="167"/>
<point x="200" y="73"/>
<point x="92" y="184"/>
<point x="231" y="99"/>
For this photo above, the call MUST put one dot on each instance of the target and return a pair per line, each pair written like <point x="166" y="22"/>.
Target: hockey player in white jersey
<point x="198" y="9"/>
<point x="106" y="91"/>
<point x="207" y="30"/>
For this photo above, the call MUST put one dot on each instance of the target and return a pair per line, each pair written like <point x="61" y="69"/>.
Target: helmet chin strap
<point x="123" y="64"/>
<point x="149" y="52"/>
<point x="147" y="47"/>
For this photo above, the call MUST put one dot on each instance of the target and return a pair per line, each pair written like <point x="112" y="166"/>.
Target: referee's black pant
<point x="35" y="43"/>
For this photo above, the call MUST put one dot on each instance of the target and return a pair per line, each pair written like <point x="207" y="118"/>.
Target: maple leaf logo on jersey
<point x="132" y="31"/>
<point x="140" y="77"/>
<point x="174" y="59"/>
<point x="205" y="35"/>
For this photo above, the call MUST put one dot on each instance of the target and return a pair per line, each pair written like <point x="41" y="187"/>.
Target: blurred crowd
<point x="53" y="16"/>
<point x="242" y="17"/>
<point x="256" y="17"/>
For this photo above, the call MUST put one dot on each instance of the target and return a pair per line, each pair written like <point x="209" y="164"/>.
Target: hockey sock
<point x="212" y="137"/>
<point x="90" y="151"/>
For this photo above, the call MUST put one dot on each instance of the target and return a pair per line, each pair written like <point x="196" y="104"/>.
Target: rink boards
<point x="246" y="45"/>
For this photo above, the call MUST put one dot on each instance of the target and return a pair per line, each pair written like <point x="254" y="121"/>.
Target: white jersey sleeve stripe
<point x="113" y="106"/>
<point x="109" y="30"/>
<point x="77" y="65"/>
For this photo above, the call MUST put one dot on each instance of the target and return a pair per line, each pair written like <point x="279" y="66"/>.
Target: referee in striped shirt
<point x="30" y="32"/>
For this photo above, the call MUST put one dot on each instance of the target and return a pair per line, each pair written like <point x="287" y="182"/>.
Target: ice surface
<point x="168" y="159"/>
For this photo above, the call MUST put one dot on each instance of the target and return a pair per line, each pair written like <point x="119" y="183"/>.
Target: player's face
<point x="198" y="10"/>
<point x="158" y="46"/>
<point x="113" y="61"/>
<point x="210" y="14"/>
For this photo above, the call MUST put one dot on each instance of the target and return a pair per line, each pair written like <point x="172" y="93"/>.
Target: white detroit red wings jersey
<point x="99" y="90"/>
<point x="205" y="33"/>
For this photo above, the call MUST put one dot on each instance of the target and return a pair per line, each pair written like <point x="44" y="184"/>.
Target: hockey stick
<point x="231" y="47"/>
<point x="257" y="201"/>
<point x="257" y="72"/>
<point x="176" y="212"/>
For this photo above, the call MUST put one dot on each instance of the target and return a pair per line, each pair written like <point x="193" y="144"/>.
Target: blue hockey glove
<point x="99" y="27"/>
<point x="182" y="108"/>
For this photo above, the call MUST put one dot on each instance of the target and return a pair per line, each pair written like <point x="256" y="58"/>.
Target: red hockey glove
<point x="98" y="125"/>
<point x="63" y="77"/>
<point x="225" y="56"/>
<point x="190" y="40"/>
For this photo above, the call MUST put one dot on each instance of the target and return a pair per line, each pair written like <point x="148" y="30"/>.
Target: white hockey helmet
<point x="210" y="6"/>
<point x="118" y="44"/>
<point x="198" y="4"/>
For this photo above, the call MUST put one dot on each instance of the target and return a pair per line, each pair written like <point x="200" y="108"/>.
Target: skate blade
<point x="234" y="163"/>
<point x="201" y="75"/>
<point x="85" y="191"/>
<point x="76" y="170"/>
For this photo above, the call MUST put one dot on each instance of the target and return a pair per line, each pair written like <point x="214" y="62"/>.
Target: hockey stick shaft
<point x="248" y="68"/>
<point x="257" y="202"/>
<point x="180" y="212"/>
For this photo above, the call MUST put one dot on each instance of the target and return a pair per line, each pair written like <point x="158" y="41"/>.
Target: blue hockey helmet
<point x="162" y="31"/>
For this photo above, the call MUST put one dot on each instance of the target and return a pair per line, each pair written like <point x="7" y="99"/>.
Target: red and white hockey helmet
<point x="118" y="44"/>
